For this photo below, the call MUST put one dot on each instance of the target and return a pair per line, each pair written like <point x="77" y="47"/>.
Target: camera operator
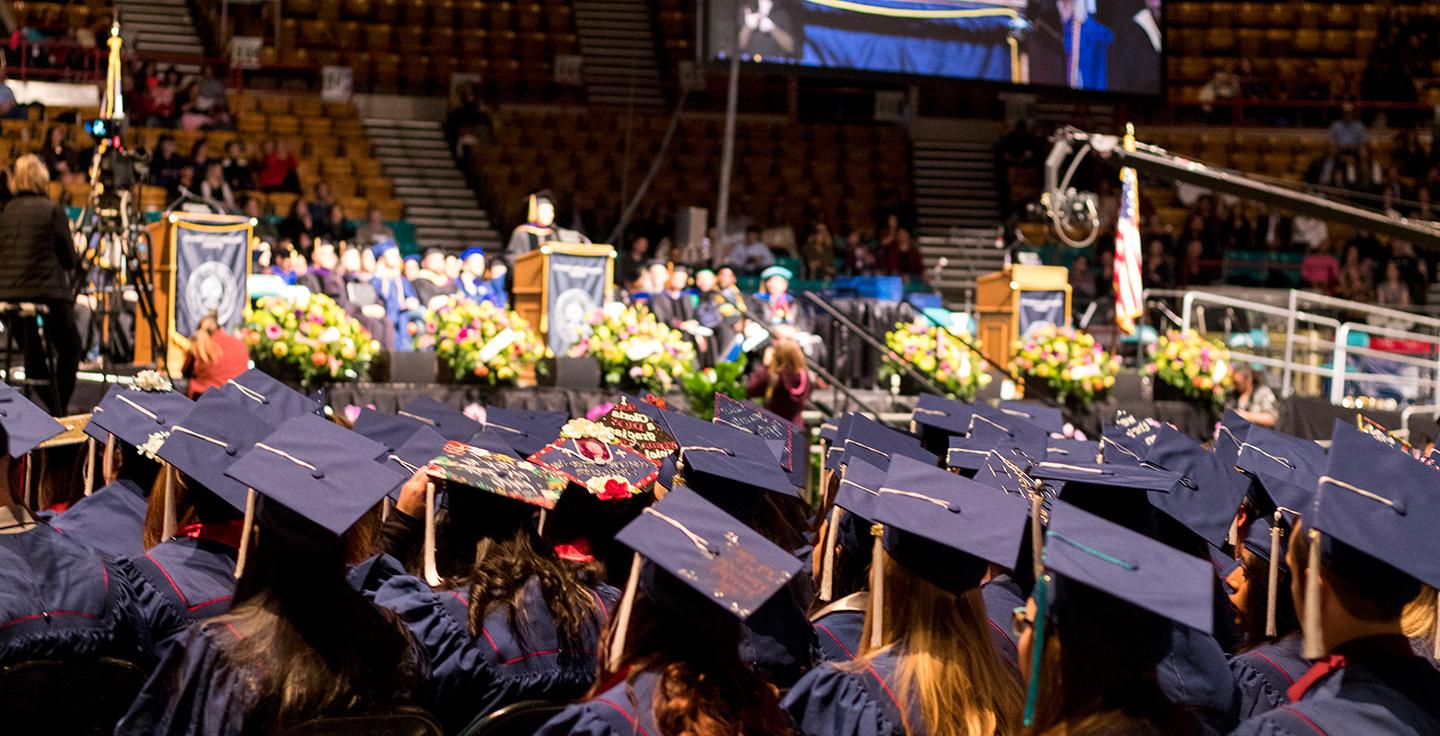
<point x="37" y="258"/>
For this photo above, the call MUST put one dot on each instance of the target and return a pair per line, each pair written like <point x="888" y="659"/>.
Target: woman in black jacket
<point x="37" y="262"/>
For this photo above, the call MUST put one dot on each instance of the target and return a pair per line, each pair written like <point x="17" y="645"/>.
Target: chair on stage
<point x="517" y="719"/>
<point x="79" y="697"/>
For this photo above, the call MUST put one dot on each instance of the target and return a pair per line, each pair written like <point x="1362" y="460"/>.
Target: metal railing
<point x="1294" y="320"/>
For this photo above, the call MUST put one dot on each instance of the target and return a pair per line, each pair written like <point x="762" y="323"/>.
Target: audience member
<point x="321" y="200"/>
<point x="474" y="284"/>
<point x="215" y="188"/>
<point x="276" y="172"/>
<point x="237" y="167"/>
<point x="1393" y="291"/>
<point x="166" y="164"/>
<point x="265" y="230"/>
<point x="1356" y="280"/>
<point x="431" y="284"/>
<point x="1320" y="268"/>
<point x="1348" y="133"/>
<point x="60" y="158"/>
<point x="336" y="226"/>
<point x="819" y="253"/>
<point x="374" y="230"/>
<point x="753" y="255"/>
<point x="632" y="261"/>
<point x="300" y="228"/>
<point x="782" y="380"/>
<point x="1253" y="400"/>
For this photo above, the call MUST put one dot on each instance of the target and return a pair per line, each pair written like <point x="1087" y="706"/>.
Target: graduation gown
<point x="1002" y="596"/>
<point x="110" y="521"/>
<point x="1264" y="673"/>
<point x="193" y="690"/>
<point x="1196" y="676"/>
<point x="177" y="583"/>
<point x="832" y="701"/>
<point x="778" y="642"/>
<point x="1369" y="686"/>
<point x="622" y="710"/>
<point x="469" y="674"/>
<point x="839" y="627"/>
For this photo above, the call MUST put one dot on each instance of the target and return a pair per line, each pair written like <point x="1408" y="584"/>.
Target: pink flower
<point x="273" y="332"/>
<point x="615" y="490"/>
<point x="598" y="411"/>
<point x="352" y="412"/>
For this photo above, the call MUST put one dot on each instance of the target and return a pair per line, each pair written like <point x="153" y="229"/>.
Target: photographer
<point x="37" y="258"/>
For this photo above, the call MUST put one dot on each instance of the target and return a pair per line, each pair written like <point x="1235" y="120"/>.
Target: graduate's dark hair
<point x="1252" y="618"/>
<point x="1367" y="588"/>
<point x="490" y="545"/>
<point x="194" y="504"/>
<point x="1097" y="672"/>
<point x="313" y="644"/>
<point x="134" y="466"/>
<point x="704" y="688"/>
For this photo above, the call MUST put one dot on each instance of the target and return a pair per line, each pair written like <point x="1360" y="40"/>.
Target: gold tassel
<point x="385" y="506"/>
<point x="877" y="587"/>
<point x="622" y="617"/>
<point x="1274" y="577"/>
<point x="1435" y="633"/>
<point x="107" y="464"/>
<point x="540" y="529"/>
<point x="89" y="466"/>
<point x="170" y="523"/>
<point x="827" y="556"/>
<point x="432" y="576"/>
<point x="1314" y="636"/>
<point x="1233" y="536"/>
<point x="246" y="530"/>
<point x="1037" y="534"/>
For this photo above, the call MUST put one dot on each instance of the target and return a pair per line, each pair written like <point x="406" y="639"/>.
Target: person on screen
<point x="1087" y="42"/>
<point x="766" y="30"/>
<point x="1135" y="56"/>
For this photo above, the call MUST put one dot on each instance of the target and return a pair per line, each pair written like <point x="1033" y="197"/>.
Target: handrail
<point x="1364" y="308"/>
<point x="1191" y="297"/>
<point x="885" y="350"/>
<point x="1342" y="350"/>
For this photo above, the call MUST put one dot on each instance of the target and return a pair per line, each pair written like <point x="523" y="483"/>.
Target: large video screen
<point x="1103" y="45"/>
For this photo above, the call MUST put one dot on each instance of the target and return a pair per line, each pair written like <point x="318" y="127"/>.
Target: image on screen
<point x="1102" y="45"/>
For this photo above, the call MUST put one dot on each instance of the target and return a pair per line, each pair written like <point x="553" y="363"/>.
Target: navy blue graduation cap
<point x="133" y="415"/>
<point x="1120" y="493"/>
<point x="830" y="428"/>
<point x="318" y="470"/>
<point x="493" y="440"/>
<point x="757" y="420"/>
<point x="859" y="488"/>
<point x="1123" y="442"/>
<point x="449" y="422"/>
<point x="1230" y="433"/>
<point x="1209" y="492"/>
<point x="210" y="438"/>
<point x="25" y="425"/>
<point x="389" y="430"/>
<point x="1065" y="449"/>
<point x="424" y="445"/>
<point x="935" y="419"/>
<point x="267" y="396"/>
<point x="1130" y="566"/>
<point x="1286" y="468"/>
<point x="1014" y="478"/>
<point x="876" y="443"/>
<point x="718" y="461"/>
<point x="1009" y="433"/>
<point x="526" y="431"/>
<point x="1048" y="418"/>
<point x="849" y="522"/>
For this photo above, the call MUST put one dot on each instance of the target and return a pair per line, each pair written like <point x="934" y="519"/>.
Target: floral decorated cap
<point x="460" y="464"/>
<point x="609" y="471"/>
<point x="642" y="427"/>
<point x="265" y="395"/>
<point x="134" y="416"/>
<point x="25" y="425"/>
<point x="523" y="429"/>
<point x="451" y="423"/>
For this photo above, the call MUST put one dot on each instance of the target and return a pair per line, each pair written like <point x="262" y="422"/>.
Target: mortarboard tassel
<point x="89" y="465"/>
<point x="169" y="524"/>
<point x="245" y="530"/>
<point x="25" y="489"/>
<point x="877" y="587"/>
<point x="1232" y="537"/>
<point x="1037" y="647"/>
<point x="107" y="463"/>
<point x="1310" y="624"/>
<point x="1274" y="577"/>
<point x="540" y="527"/>
<point x="1435" y="633"/>
<point x="1037" y="535"/>
<point x="827" y="556"/>
<point x="622" y="617"/>
<point x="385" y="506"/>
<point x="432" y="576"/>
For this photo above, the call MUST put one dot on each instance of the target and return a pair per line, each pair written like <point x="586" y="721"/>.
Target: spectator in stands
<point x="1306" y="231"/>
<point x="1159" y="270"/>
<point x="632" y="261"/>
<point x="10" y="108"/>
<point x="819" y="253"/>
<point x="282" y="264"/>
<point x="859" y="254"/>
<point x="1410" y="157"/>
<point x="782" y="380"/>
<point x="201" y="157"/>
<point x="60" y="158"/>
<point x="1320" y="268"/>
<point x="322" y="277"/>
<point x="337" y="227"/>
<point x="237" y="168"/>
<point x="276" y="172"/>
<point x="321" y="200"/>
<point x="396" y="295"/>
<point x="432" y="285"/>
<point x="905" y="258"/>
<point x="1413" y="270"/>
<point x="1082" y="282"/>
<point x="1348" y="133"/>
<point x="1253" y="400"/>
<point x="299" y="227"/>
<point x="1356" y="281"/>
<point x="264" y="230"/>
<point x="374" y="230"/>
<point x="1221" y="87"/>
<point x="214" y="357"/>
<point x="1192" y="272"/>
<point x="1393" y="291"/>
<point x="210" y="95"/>
<point x="468" y="123"/>
<point x="753" y="255"/>
<point x="187" y="106"/>
<point x="161" y="102"/>
<point x="166" y="163"/>
<point x="215" y="188"/>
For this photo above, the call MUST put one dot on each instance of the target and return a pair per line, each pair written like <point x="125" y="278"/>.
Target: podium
<point x="1012" y="302"/>
<point x="556" y="288"/>
<point x="199" y="265"/>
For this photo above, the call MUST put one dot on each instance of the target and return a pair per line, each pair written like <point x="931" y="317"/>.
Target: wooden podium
<point x="164" y="236"/>
<point x="570" y="279"/>
<point x="1011" y="301"/>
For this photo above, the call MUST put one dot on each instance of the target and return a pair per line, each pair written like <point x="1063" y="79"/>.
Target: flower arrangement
<point x="1067" y="361"/>
<point x="312" y="339"/>
<point x="481" y="342"/>
<point x="935" y="353"/>
<point x="1195" y="366"/>
<point x="631" y="346"/>
<point x="701" y="386"/>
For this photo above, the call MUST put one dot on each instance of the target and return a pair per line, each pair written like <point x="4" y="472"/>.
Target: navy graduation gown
<point x="1196" y="676"/>
<point x="193" y="690"/>
<point x="1002" y="596"/>
<point x="834" y="700"/>
<point x="1264" y="673"/>
<point x="59" y="600"/>
<point x="110" y="521"/>
<point x="1369" y="686"/>
<point x="622" y="710"/>
<point x="176" y="583"/>
<point x="472" y="674"/>
<point x="839" y="627"/>
<point x="778" y="642"/>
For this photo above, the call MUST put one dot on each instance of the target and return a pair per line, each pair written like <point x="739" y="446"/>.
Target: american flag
<point x="1127" y="254"/>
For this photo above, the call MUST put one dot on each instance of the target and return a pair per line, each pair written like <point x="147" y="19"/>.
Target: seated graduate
<point x="1098" y="622"/>
<point x="298" y="642"/>
<point x="498" y="616"/>
<point x="670" y="663"/>
<point x="194" y="522"/>
<point x="1363" y="552"/>
<point x="58" y="599"/>
<point x="926" y="664"/>
<point x="110" y="520"/>
<point x="844" y="563"/>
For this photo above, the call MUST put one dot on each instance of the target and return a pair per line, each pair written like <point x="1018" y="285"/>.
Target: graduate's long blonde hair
<point x="947" y="661"/>
<point x="1418" y="620"/>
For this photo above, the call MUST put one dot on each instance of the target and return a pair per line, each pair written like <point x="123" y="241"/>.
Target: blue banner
<point x="577" y="288"/>
<point x="1041" y="309"/>
<point x="211" y="263"/>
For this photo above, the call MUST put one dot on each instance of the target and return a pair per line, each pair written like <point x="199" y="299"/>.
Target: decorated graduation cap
<point x="1123" y="442"/>
<point x="25" y="425"/>
<point x="318" y="470"/>
<point x="265" y="395"/>
<point x="449" y="422"/>
<point x="1374" y="509"/>
<point x="783" y="437"/>
<point x="642" y="427"/>
<point x="1048" y="418"/>
<point x="730" y="467"/>
<point x="606" y="470"/>
<point x="205" y="443"/>
<point x="390" y="430"/>
<point x="134" y="416"/>
<point x="1209" y="491"/>
<point x="700" y="549"/>
<point x="525" y="430"/>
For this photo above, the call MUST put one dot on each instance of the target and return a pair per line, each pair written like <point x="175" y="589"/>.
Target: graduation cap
<point x="462" y="465"/>
<point x="1121" y="493"/>
<point x="265" y="395"/>
<point x="1376" y="499"/>
<point x="25" y="425"/>
<point x="423" y="445"/>
<point x="859" y="487"/>
<point x="1047" y="418"/>
<point x="318" y="470"/>
<point x="731" y="468"/>
<point x="1014" y="437"/>
<point x="1065" y="449"/>
<point x="606" y="471"/>
<point x="756" y="420"/>
<point x="641" y="427"/>
<point x="392" y="431"/>
<point x="1209" y="491"/>
<point x="1281" y="464"/>
<point x="494" y="441"/>
<point x="936" y="419"/>
<point x="134" y="416"/>
<point x="205" y="443"/>
<point x="1123" y="442"/>
<point x="449" y="422"/>
<point x="876" y="443"/>
<point x="526" y="431"/>
<point x="1230" y="433"/>
<point x="695" y="543"/>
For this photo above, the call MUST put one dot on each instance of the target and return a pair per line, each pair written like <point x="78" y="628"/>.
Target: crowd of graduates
<point x="976" y="573"/>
